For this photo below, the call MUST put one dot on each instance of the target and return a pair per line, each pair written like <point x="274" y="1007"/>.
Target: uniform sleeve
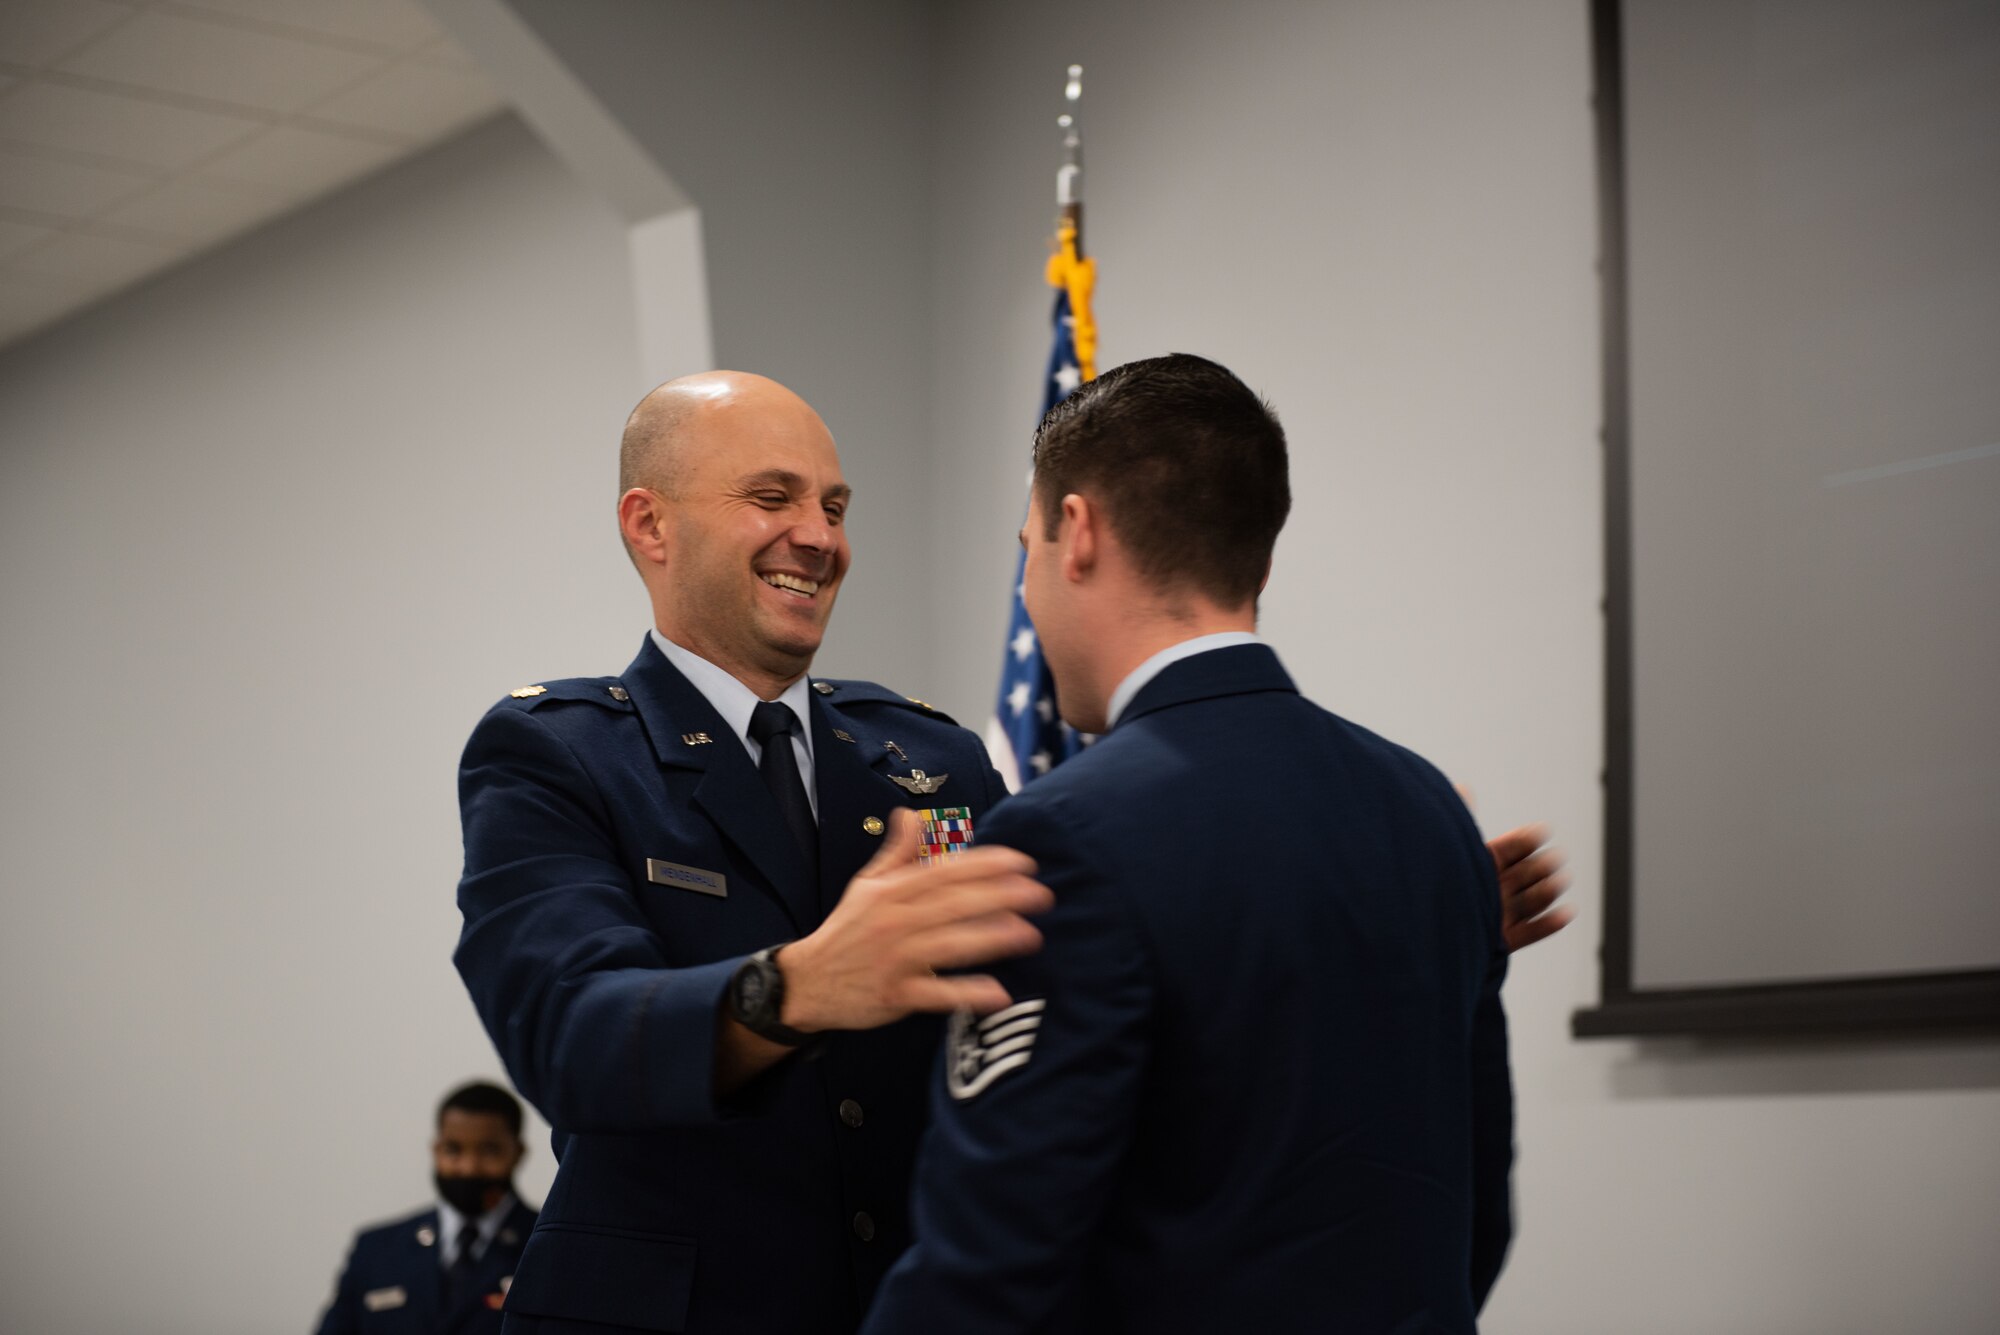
<point x="1033" y="1113"/>
<point x="343" y="1314"/>
<point x="1492" y="1086"/>
<point x="565" y="971"/>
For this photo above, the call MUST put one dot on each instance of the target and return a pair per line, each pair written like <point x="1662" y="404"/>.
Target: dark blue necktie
<point x="460" y="1278"/>
<point x="771" y="724"/>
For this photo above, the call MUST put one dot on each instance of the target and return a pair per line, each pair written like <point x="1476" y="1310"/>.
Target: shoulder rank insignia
<point x="528" y="692"/>
<point x="980" y="1051"/>
<point x="916" y="781"/>
<point x="925" y="703"/>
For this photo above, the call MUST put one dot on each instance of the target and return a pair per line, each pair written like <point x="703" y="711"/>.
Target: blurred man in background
<point x="445" y="1268"/>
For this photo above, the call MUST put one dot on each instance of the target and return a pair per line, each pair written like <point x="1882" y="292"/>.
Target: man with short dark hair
<point x="446" y="1268"/>
<point x="1256" y="1079"/>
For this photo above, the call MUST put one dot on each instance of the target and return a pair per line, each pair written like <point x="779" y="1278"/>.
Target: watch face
<point x="751" y="990"/>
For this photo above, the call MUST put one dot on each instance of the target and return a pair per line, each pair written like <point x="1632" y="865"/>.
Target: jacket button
<point x="850" y="1112"/>
<point x="864" y="1226"/>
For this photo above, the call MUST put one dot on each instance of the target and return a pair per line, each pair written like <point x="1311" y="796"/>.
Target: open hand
<point x="1532" y="878"/>
<point x="873" y="960"/>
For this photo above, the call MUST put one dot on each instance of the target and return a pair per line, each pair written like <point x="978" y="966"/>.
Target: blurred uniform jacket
<point x="622" y="857"/>
<point x="394" y="1285"/>
<point x="1256" y="1079"/>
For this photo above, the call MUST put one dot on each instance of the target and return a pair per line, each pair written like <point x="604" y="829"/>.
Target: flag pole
<point x="1026" y="736"/>
<point x="1069" y="268"/>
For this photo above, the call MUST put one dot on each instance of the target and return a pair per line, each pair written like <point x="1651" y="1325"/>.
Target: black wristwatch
<point x="757" y="999"/>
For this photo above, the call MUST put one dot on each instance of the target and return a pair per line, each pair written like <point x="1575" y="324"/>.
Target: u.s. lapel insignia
<point x="696" y="738"/>
<point x="943" y="831"/>
<point x="918" y="782"/>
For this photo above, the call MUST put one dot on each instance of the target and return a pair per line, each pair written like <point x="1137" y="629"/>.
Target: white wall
<point x="1383" y="216"/>
<point x="274" y="530"/>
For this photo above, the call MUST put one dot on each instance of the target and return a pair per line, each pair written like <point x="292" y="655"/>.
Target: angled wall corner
<point x="669" y="281"/>
<point x="773" y="160"/>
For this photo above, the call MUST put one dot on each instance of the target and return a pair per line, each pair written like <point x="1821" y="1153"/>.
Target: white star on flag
<point x="1024" y="644"/>
<point x="1041" y="760"/>
<point x="1046" y="708"/>
<point x="1068" y="378"/>
<point x="1017" y="699"/>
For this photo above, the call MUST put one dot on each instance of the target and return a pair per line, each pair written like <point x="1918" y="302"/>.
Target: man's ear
<point x="1081" y="535"/>
<point x="642" y="518"/>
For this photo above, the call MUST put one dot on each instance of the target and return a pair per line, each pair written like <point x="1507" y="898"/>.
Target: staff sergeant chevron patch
<point x="980" y="1051"/>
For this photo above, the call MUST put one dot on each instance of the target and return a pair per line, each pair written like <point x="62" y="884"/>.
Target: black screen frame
<point x="1908" y="1003"/>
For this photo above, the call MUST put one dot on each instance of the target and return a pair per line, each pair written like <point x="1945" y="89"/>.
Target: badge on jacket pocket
<point x="383" y="1300"/>
<point x="661" y="872"/>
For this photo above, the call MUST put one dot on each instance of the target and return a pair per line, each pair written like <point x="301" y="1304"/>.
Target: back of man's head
<point x="479" y="1097"/>
<point x="1188" y="465"/>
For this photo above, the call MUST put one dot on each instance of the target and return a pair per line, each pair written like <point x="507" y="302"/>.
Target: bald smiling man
<point x="697" y="925"/>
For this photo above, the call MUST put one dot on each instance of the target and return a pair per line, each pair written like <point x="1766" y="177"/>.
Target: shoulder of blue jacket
<point x="395" y="1229"/>
<point x="865" y="695"/>
<point x="605" y="692"/>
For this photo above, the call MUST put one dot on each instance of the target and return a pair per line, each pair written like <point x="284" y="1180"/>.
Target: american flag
<point x="1025" y="736"/>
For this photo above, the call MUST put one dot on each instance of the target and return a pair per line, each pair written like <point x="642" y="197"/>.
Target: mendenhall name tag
<point x="661" y="872"/>
<point x="382" y="1300"/>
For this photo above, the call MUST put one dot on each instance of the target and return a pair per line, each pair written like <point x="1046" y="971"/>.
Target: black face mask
<point x="467" y="1195"/>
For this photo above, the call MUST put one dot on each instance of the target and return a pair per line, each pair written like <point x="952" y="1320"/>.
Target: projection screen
<point x="1802" y="275"/>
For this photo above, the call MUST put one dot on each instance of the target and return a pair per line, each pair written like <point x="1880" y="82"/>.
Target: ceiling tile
<point x="99" y="262"/>
<point x="220" y="61"/>
<point x="63" y="188"/>
<point x="36" y="32"/>
<point x="197" y="211"/>
<point x="449" y="54"/>
<point x="14" y="235"/>
<point x="299" y="162"/>
<point x="144" y="133"/>
<point x="422" y="101"/>
<point x="398" y="24"/>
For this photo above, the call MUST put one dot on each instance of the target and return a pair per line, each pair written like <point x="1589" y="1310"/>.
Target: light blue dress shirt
<point x="735" y="702"/>
<point x="451" y="1223"/>
<point x="1167" y="657"/>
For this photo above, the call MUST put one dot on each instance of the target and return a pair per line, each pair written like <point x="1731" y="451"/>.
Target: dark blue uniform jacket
<point x="622" y="857"/>
<point x="393" y="1284"/>
<point x="1256" y="1079"/>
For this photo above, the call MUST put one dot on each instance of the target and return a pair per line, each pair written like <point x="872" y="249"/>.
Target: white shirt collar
<point x="451" y="1222"/>
<point x="735" y="702"/>
<point x="1136" y="679"/>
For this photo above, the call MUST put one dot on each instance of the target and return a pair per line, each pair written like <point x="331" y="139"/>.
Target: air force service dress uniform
<point x="1256" y="1079"/>
<point x="394" y="1282"/>
<point x="622" y="857"/>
